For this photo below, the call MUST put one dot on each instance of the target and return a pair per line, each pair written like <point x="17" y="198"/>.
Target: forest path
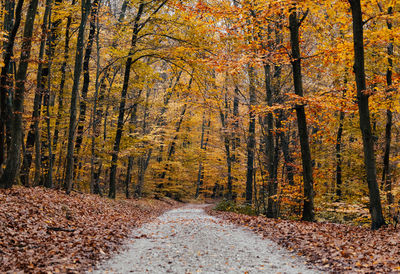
<point x="187" y="240"/>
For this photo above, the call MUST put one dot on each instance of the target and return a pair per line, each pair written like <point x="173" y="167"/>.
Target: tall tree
<point x="294" y="26"/>
<point x="120" y="125"/>
<point x="11" y="171"/>
<point x="386" y="176"/>
<point x="251" y="142"/>
<point x="375" y="206"/>
<point x="85" y="9"/>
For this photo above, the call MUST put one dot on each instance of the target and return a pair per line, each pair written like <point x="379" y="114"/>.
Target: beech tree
<point x="365" y="123"/>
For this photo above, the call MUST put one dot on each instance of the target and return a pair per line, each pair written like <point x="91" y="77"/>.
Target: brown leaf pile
<point x="332" y="247"/>
<point x="44" y="230"/>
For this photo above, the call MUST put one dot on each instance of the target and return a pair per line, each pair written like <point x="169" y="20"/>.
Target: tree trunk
<point x="5" y="81"/>
<point x="120" y="125"/>
<point x="85" y="8"/>
<point x="251" y="143"/>
<point x="203" y="146"/>
<point x="308" y="207"/>
<point x="95" y="117"/>
<point x="272" y="208"/>
<point x="386" y="176"/>
<point x="34" y="133"/>
<point x="132" y="123"/>
<point x="339" y="157"/>
<point x="86" y="81"/>
<point x="143" y="160"/>
<point x="14" y="157"/>
<point x="365" y="124"/>
<point x="62" y="82"/>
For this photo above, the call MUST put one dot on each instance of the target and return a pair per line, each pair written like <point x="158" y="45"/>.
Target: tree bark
<point x="132" y="123"/>
<point x="5" y="81"/>
<point x="33" y="137"/>
<point x="308" y="206"/>
<point x="85" y="8"/>
<point x="60" y="109"/>
<point x="386" y="176"/>
<point x="251" y="143"/>
<point x="120" y="125"/>
<point x="14" y="156"/>
<point x="338" y="148"/>
<point x="365" y="124"/>
<point x="86" y="80"/>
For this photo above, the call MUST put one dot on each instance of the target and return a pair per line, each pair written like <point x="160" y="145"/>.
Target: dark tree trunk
<point x="86" y="81"/>
<point x="34" y="133"/>
<point x="251" y="143"/>
<point x="287" y="155"/>
<point x="5" y="81"/>
<point x="272" y="206"/>
<point x="14" y="156"/>
<point x="365" y="124"/>
<point x="143" y="160"/>
<point x="308" y="207"/>
<point x="339" y="157"/>
<point x="120" y="125"/>
<point x="95" y="117"/>
<point x="227" y="144"/>
<point x="235" y="137"/>
<point x="62" y="82"/>
<point x="85" y="9"/>
<point x="203" y="146"/>
<point x="132" y="123"/>
<point x="386" y="176"/>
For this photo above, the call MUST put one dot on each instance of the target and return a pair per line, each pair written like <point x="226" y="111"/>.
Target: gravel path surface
<point x="187" y="240"/>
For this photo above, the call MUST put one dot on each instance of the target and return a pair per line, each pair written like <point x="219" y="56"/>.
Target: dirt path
<point x="187" y="240"/>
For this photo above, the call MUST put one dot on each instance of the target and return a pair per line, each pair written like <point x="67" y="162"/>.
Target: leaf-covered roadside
<point x="333" y="247"/>
<point x="45" y="230"/>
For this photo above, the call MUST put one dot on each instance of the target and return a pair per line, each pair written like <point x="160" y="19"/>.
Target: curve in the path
<point x="187" y="240"/>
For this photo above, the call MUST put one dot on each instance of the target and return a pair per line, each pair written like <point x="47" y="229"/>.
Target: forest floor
<point x="335" y="248"/>
<point x="44" y="230"/>
<point x="187" y="240"/>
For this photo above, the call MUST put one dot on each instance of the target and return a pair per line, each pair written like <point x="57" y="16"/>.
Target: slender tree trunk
<point x="251" y="143"/>
<point x="365" y="124"/>
<point x="5" y="81"/>
<point x="62" y="82"/>
<point x="95" y="117"/>
<point x="386" y="176"/>
<point x="203" y="145"/>
<point x="34" y="133"/>
<point x="308" y="207"/>
<point x="86" y="81"/>
<point x="339" y="157"/>
<point x="289" y="162"/>
<point x="132" y="123"/>
<point x="270" y="148"/>
<point x="120" y="125"/>
<point x="14" y="157"/>
<point x="143" y="160"/>
<point x="85" y="9"/>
